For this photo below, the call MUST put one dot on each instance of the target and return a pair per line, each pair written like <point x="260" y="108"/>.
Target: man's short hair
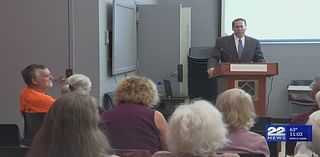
<point x="29" y="72"/>
<point x="239" y="19"/>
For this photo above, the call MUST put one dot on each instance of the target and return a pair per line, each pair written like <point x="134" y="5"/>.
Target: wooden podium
<point x="250" y="77"/>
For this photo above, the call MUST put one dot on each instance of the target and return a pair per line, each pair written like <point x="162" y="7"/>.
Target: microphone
<point x="60" y="80"/>
<point x="221" y="49"/>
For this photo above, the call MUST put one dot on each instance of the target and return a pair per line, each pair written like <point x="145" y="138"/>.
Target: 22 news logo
<point x="276" y="133"/>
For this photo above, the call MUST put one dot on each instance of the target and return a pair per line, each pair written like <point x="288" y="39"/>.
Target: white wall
<point x="296" y="62"/>
<point x="31" y="31"/>
<point x="36" y="31"/>
<point x="90" y="50"/>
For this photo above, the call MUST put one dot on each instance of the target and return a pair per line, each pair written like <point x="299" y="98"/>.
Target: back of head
<point x="237" y="108"/>
<point x="317" y="96"/>
<point x="315" y="85"/>
<point x="70" y="128"/>
<point x="196" y="128"/>
<point x="314" y="120"/>
<point x="29" y="72"/>
<point x="138" y="90"/>
<point x="77" y="82"/>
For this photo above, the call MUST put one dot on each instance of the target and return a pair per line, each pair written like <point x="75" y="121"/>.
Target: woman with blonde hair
<point x="133" y="124"/>
<point x="239" y="114"/>
<point x="195" y="130"/>
<point x="70" y="129"/>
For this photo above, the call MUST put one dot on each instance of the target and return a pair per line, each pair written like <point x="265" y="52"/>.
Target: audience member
<point x="133" y="124"/>
<point x="308" y="149"/>
<point x="33" y="98"/>
<point x="315" y="85"/>
<point x="317" y="97"/>
<point x="315" y="88"/>
<point x="195" y="130"/>
<point x="303" y="117"/>
<point x="70" y="129"/>
<point x="239" y="114"/>
<point x="77" y="82"/>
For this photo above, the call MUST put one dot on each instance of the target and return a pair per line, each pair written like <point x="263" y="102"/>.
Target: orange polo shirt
<point x="34" y="101"/>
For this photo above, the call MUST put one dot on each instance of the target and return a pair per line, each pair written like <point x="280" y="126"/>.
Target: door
<point x="160" y="44"/>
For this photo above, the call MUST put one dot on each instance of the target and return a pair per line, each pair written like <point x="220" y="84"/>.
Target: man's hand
<point x="210" y="72"/>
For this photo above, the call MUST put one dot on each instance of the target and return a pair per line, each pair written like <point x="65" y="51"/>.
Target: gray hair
<point x="314" y="120"/>
<point x="77" y="82"/>
<point x="317" y="97"/>
<point x="71" y="128"/>
<point x="315" y="86"/>
<point x="196" y="128"/>
<point x="29" y="72"/>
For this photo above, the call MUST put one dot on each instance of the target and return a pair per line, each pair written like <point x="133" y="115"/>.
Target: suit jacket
<point x="225" y="50"/>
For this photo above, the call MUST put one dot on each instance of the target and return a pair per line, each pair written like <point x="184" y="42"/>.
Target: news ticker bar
<point x="288" y="133"/>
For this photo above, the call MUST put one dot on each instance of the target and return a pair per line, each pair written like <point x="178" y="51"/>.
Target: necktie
<point x="240" y="48"/>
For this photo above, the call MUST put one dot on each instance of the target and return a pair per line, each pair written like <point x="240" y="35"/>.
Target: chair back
<point x="260" y="128"/>
<point x="108" y="100"/>
<point x="261" y="123"/>
<point x="13" y="151"/>
<point x="132" y="152"/>
<point x="9" y="135"/>
<point x="32" y="123"/>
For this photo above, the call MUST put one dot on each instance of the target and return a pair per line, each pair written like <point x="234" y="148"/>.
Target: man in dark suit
<point x="235" y="48"/>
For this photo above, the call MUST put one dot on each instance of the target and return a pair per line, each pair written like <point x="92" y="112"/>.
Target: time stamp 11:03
<point x="288" y="133"/>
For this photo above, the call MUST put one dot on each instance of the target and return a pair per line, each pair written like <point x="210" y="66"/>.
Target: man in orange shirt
<point x="32" y="98"/>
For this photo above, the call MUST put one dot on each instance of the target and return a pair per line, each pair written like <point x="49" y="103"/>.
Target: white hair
<point x="77" y="82"/>
<point x="196" y="128"/>
<point x="315" y="81"/>
<point x="317" y="96"/>
<point x="314" y="120"/>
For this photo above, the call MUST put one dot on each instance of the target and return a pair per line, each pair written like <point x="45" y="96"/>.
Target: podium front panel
<point x="255" y="86"/>
<point x="250" y="86"/>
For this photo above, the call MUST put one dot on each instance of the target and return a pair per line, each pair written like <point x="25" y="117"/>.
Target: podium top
<point x="246" y="69"/>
